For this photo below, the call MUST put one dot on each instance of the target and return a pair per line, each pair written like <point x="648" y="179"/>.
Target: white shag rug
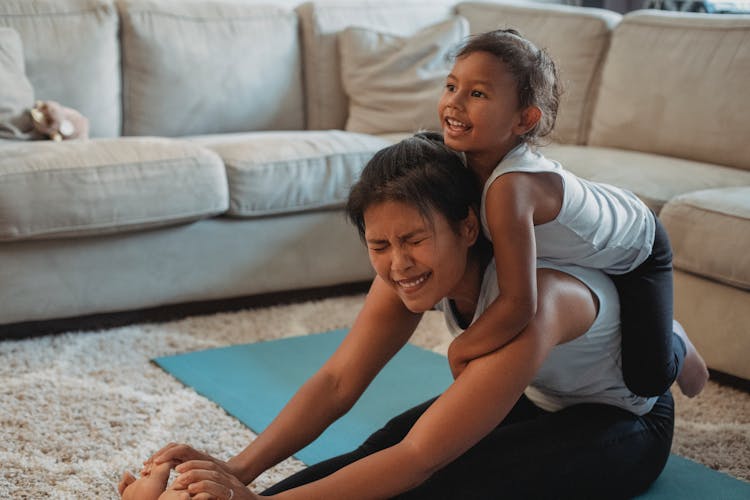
<point x="79" y="408"/>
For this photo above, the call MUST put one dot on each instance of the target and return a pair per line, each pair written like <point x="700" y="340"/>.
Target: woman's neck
<point x="466" y="295"/>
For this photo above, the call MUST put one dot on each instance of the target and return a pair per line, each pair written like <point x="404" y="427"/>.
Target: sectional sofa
<point x="226" y="134"/>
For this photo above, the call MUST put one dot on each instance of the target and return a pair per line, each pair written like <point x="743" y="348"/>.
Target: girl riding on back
<point x="500" y="98"/>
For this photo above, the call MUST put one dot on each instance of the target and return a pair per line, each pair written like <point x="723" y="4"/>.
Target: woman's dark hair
<point x="420" y="171"/>
<point x="533" y="70"/>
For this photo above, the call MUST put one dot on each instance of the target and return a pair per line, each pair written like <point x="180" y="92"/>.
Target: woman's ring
<point x="231" y="495"/>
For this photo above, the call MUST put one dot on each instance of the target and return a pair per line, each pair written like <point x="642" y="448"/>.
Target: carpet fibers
<point x="79" y="408"/>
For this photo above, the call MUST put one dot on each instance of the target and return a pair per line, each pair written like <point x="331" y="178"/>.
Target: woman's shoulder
<point x="602" y="287"/>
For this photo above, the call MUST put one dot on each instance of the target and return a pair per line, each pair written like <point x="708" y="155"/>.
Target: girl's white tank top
<point x="599" y="226"/>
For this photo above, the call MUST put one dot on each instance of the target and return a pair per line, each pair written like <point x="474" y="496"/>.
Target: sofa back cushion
<point x="576" y="38"/>
<point x="17" y="93"/>
<point x="327" y="104"/>
<point x="196" y="67"/>
<point x="72" y="55"/>
<point x="677" y="84"/>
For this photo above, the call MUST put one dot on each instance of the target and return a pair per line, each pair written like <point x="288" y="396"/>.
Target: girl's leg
<point x="652" y="354"/>
<point x="694" y="373"/>
<point x="584" y="451"/>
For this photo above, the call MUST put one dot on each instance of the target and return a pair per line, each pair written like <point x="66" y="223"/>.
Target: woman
<point x="576" y="432"/>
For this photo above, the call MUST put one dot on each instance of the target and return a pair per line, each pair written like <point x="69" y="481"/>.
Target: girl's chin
<point x="453" y="141"/>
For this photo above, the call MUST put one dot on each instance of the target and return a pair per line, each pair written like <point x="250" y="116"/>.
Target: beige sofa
<point x="226" y="136"/>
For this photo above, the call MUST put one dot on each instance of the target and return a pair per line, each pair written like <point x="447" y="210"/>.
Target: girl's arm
<point x="510" y="207"/>
<point x="382" y="327"/>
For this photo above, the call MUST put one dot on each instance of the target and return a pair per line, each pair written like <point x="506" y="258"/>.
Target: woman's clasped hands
<point x="206" y="480"/>
<point x="200" y="476"/>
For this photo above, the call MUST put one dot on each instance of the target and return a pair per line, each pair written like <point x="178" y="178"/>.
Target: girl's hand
<point x="205" y="480"/>
<point x="455" y="361"/>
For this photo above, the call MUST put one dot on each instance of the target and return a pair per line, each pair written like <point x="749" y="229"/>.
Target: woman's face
<point x="422" y="260"/>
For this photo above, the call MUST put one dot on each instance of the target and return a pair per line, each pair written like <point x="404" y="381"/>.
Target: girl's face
<point x="479" y="109"/>
<point x="422" y="261"/>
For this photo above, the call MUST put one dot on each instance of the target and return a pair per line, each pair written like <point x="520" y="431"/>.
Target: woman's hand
<point x="206" y="480"/>
<point x="178" y="453"/>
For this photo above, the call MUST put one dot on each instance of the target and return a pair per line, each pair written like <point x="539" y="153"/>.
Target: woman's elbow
<point x="341" y="396"/>
<point x="423" y="460"/>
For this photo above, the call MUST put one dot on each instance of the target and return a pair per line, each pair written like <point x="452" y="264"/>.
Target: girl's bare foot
<point x="694" y="373"/>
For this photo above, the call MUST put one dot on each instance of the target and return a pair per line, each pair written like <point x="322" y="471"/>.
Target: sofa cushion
<point x="72" y="55"/>
<point x="209" y="67"/>
<point x="321" y="22"/>
<point x="710" y="234"/>
<point x="78" y="188"/>
<point x="577" y="39"/>
<point x="677" y="85"/>
<point x="284" y="172"/>
<point x="17" y="93"/>
<point x="394" y="83"/>
<point x="655" y="179"/>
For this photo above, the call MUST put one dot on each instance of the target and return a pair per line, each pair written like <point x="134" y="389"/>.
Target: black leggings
<point x="652" y="354"/>
<point x="583" y="451"/>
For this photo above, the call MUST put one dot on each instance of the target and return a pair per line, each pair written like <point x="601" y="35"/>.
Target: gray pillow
<point x="72" y="55"/>
<point x="17" y="94"/>
<point x="394" y="83"/>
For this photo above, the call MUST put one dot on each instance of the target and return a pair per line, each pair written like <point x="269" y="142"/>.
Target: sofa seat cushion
<point x="655" y="179"/>
<point x="284" y="172"/>
<point x="710" y="234"/>
<point x="79" y="188"/>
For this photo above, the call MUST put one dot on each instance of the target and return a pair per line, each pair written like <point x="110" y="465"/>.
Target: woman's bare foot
<point x="126" y="480"/>
<point x="694" y="373"/>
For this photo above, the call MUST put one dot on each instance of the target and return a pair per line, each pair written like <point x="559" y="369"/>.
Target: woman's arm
<point x="471" y="407"/>
<point x="382" y="327"/>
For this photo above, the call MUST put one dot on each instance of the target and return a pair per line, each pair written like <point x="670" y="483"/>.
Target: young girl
<point x="500" y="98"/>
<point x="578" y="432"/>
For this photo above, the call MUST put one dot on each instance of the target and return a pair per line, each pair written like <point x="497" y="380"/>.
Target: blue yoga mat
<point x="253" y="382"/>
